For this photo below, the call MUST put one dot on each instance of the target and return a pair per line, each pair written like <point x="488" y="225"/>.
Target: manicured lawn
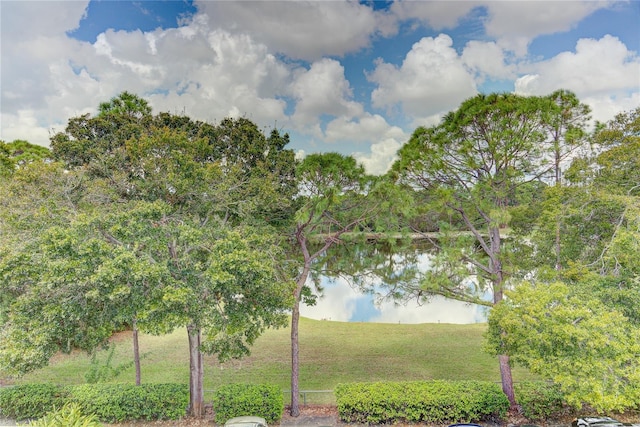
<point x="331" y="353"/>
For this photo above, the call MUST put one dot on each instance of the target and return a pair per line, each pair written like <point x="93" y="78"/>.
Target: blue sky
<point x="338" y="76"/>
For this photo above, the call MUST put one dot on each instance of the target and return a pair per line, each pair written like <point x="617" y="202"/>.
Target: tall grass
<point x="330" y="353"/>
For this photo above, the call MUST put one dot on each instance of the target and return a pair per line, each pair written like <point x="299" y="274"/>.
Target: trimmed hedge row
<point x="123" y="402"/>
<point x="420" y="401"/>
<point x="31" y="400"/>
<point x="262" y="400"/>
<point x="108" y="402"/>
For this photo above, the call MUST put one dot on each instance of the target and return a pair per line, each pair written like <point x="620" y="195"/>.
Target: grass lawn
<point x="330" y="353"/>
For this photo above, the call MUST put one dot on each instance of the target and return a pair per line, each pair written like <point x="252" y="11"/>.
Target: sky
<point x="345" y="76"/>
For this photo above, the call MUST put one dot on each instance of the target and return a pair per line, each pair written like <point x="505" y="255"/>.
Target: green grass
<point x="330" y="353"/>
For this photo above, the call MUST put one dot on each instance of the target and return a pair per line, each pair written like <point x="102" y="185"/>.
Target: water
<point x="341" y="302"/>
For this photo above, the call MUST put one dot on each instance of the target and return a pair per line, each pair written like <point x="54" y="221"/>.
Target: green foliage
<point x="262" y="400"/>
<point x="70" y="415"/>
<point x="540" y="401"/>
<point x="108" y="402"/>
<point x="589" y="349"/>
<point x="420" y="402"/>
<point x="30" y="400"/>
<point x="616" y="168"/>
<point x="19" y="153"/>
<point x="126" y="402"/>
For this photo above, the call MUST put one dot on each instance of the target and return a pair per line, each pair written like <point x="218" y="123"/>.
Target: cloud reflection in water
<point x="340" y="302"/>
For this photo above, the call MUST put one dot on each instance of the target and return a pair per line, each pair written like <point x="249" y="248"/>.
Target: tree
<point x="472" y="164"/>
<point x="572" y="338"/>
<point x="335" y="197"/>
<point x="579" y="326"/>
<point x="617" y="166"/>
<point x="19" y="153"/>
<point x="566" y="126"/>
<point x="125" y="104"/>
<point x="160" y="194"/>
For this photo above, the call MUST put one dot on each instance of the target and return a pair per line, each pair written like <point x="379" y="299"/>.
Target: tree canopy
<point x="175" y="218"/>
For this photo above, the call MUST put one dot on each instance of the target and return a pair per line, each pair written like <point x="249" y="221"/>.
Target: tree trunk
<point x="136" y="352"/>
<point x="196" y="373"/>
<point x="507" y="380"/>
<point x="295" y="359"/>
<point x="495" y="264"/>
<point x="295" y="344"/>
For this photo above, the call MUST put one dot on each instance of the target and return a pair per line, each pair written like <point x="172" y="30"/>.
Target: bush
<point x="124" y="402"/>
<point x="261" y="400"/>
<point x="539" y="400"/>
<point x="424" y="402"/>
<point x="30" y="400"/>
<point x="109" y="402"/>
<point x="69" y="416"/>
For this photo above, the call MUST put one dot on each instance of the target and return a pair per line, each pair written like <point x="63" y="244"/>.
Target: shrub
<point x="539" y="400"/>
<point x="424" y="402"/>
<point x="69" y="416"/>
<point x="30" y="400"/>
<point x="124" y="402"/>
<point x="262" y="400"/>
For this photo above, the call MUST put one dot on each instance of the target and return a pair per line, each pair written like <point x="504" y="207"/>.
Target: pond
<point x="342" y="302"/>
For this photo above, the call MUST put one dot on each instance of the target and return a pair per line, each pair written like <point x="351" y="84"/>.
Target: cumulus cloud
<point x="365" y="128"/>
<point x="305" y="30"/>
<point x="599" y="72"/>
<point x="487" y="59"/>
<point x="431" y="79"/>
<point x="438" y="15"/>
<point x="382" y="155"/>
<point x="514" y="24"/>
<point x="322" y="90"/>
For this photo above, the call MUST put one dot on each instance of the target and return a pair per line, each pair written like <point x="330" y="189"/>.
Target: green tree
<point x="160" y="194"/>
<point x="566" y="126"/>
<point x="572" y="338"/>
<point x="335" y="197"/>
<point x="125" y="104"/>
<point x="471" y="165"/>
<point x="579" y="326"/>
<point x="19" y="153"/>
<point x="617" y="167"/>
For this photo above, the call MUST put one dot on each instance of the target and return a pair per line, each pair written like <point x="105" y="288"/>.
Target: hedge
<point x="108" y="402"/>
<point x="261" y="400"/>
<point x="31" y="400"/>
<point x="420" y="402"/>
<point x="539" y="400"/>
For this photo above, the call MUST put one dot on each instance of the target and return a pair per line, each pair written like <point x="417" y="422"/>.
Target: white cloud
<point x="382" y="155"/>
<point x="305" y="30"/>
<point x="431" y="79"/>
<point x="487" y="59"/>
<point x="367" y="127"/>
<point x="437" y="15"/>
<point x="599" y="71"/>
<point x="516" y="23"/>
<point x="438" y="310"/>
<point x="322" y="90"/>
<point x="336" y="303"/>
<point x="24" y="20"/>
<point x="339" y="302"/>
<point x="23" y="125"/>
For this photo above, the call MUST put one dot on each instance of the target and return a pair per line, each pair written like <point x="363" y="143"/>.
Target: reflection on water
<point x="340" y="302"/>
